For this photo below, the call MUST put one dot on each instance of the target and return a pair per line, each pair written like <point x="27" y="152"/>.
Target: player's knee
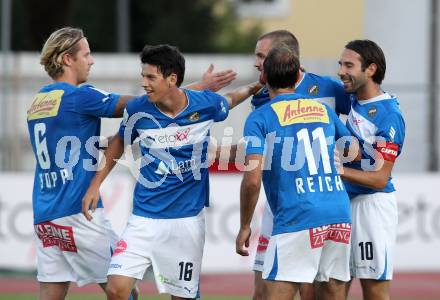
<point x="116" y="292"/>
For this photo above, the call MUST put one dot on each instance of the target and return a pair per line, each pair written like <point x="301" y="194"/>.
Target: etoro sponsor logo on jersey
<point x="339" y="233"/>
<point x="52" y="234"/>
<point x="300" y="111"/>
<point x="174" y="136"/>
<point x="45" y="105"/>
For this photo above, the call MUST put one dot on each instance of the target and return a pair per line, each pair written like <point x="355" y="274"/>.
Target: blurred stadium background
<point x="223" y="32"/>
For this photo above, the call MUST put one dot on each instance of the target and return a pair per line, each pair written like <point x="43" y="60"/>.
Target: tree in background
<point x="195" y="26"/>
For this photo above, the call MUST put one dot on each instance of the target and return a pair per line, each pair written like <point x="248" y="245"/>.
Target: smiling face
<point x="154" y="84"/>
<point x="350" y="71"/>
<point x="82" y="61"/>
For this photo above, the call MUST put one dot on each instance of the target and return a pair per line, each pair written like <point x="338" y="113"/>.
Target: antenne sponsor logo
<point x="300" y="111"/>
<point x="45" y="105"/>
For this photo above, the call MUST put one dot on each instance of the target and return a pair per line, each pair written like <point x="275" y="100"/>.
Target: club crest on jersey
<point x="313" y="90"/>
<point x="45" y="105"/>
<point x="195" y="116"/>
<point x="300" y="111"/>
<point x="372" y="112"/>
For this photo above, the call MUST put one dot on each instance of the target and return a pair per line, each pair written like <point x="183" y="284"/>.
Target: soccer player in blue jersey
<point x="376" y="121"/>
<point x="166" y="231"/>
<point x="291" y="140"/>
<point x="64" y="128"/>
<point x="323" y="89"/>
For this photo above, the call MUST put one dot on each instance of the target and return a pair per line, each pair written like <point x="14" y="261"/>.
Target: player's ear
<point x="371" y="70"/>
<point x="172" y="79"/>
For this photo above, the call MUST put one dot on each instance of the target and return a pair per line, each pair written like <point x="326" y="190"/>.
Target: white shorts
<point x="314" y="254"/>
<point x="263" y="240"/>
<point x="374" y="236"/>
<point x="172" y="247"/>
<point x="74" y="249"/>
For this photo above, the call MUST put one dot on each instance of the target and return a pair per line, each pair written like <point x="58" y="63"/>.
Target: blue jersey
<point x="379" y="126"/>
<point x="173" y="180"/>
<point x="64" y="127"/>
<point x="324" y="89"/>
<point x="297" y="138"/>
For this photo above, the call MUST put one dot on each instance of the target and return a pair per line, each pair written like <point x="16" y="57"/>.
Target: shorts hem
<point x="290" y="279"/>
<point x="138" y="277"/>
<point x="84" y="282"/>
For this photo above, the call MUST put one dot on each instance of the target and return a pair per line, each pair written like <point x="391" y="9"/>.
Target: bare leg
<point x="306" y="291"/>
<point x="258" y="285"/>
<point x="375" y="289"/>
<point x="331" y="290"/>
<point x="53" y="290"/>
<point x="134" y="291"/>
<point x="347" y="288"/>
<point x="119" y="287"/>
<point x="279" y="290"/>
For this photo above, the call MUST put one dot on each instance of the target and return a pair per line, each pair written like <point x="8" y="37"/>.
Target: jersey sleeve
<point x="390" y="136"/>
<point x="95" y="102"/>
<point x="342" y="99"/>
<point x="254" y="134"/>
<point x="221" y="106"/>
<point x="126" y="128"/>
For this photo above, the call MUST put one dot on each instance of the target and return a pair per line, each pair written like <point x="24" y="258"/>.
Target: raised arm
<point x="213" y="81"/>
<point x="113" y="152"/>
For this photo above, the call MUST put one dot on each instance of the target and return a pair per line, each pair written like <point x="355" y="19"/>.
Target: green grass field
<point x="100" y="297"/>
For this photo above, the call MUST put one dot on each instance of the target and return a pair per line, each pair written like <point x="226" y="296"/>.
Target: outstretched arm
<point x="213" y="81"/>
<point x="113" y="152"/>
<point x="120" y="106"/>
<point x="242" y="93"/>
<point x="377" y="179"/>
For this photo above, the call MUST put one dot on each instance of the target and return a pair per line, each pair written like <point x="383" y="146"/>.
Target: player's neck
<point x="173" y="103"/>
<point x="368" y="91"/>
<point x="275" y="92"/>
<point x="68" y="78"/>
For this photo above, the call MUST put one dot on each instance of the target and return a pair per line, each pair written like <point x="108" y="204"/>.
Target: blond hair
<point x="60" y="42"/>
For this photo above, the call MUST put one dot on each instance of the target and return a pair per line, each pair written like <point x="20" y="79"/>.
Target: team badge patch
<point x="194" y="117"/>
<point x="313" y="90"/>
<point x="372" y="112"/>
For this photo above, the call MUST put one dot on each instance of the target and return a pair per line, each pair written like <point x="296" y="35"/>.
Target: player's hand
<point x="338" y="164"/>
<point x="90" y="201"/>
<point x="242" y="241"/>
<point x="215" y="81"/>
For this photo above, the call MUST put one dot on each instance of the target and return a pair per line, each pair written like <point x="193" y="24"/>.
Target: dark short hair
<point x="282" y="37"/>
<point x="166" y="58"/>
<point x="370" y="53"/>
<point x="281" y="67"/>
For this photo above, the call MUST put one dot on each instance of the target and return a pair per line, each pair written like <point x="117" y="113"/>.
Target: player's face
<point x="82" y="61"/>
<point x="154" y="84"/>
<point x="350" y="71"/>
<point x="261" y="50"/>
